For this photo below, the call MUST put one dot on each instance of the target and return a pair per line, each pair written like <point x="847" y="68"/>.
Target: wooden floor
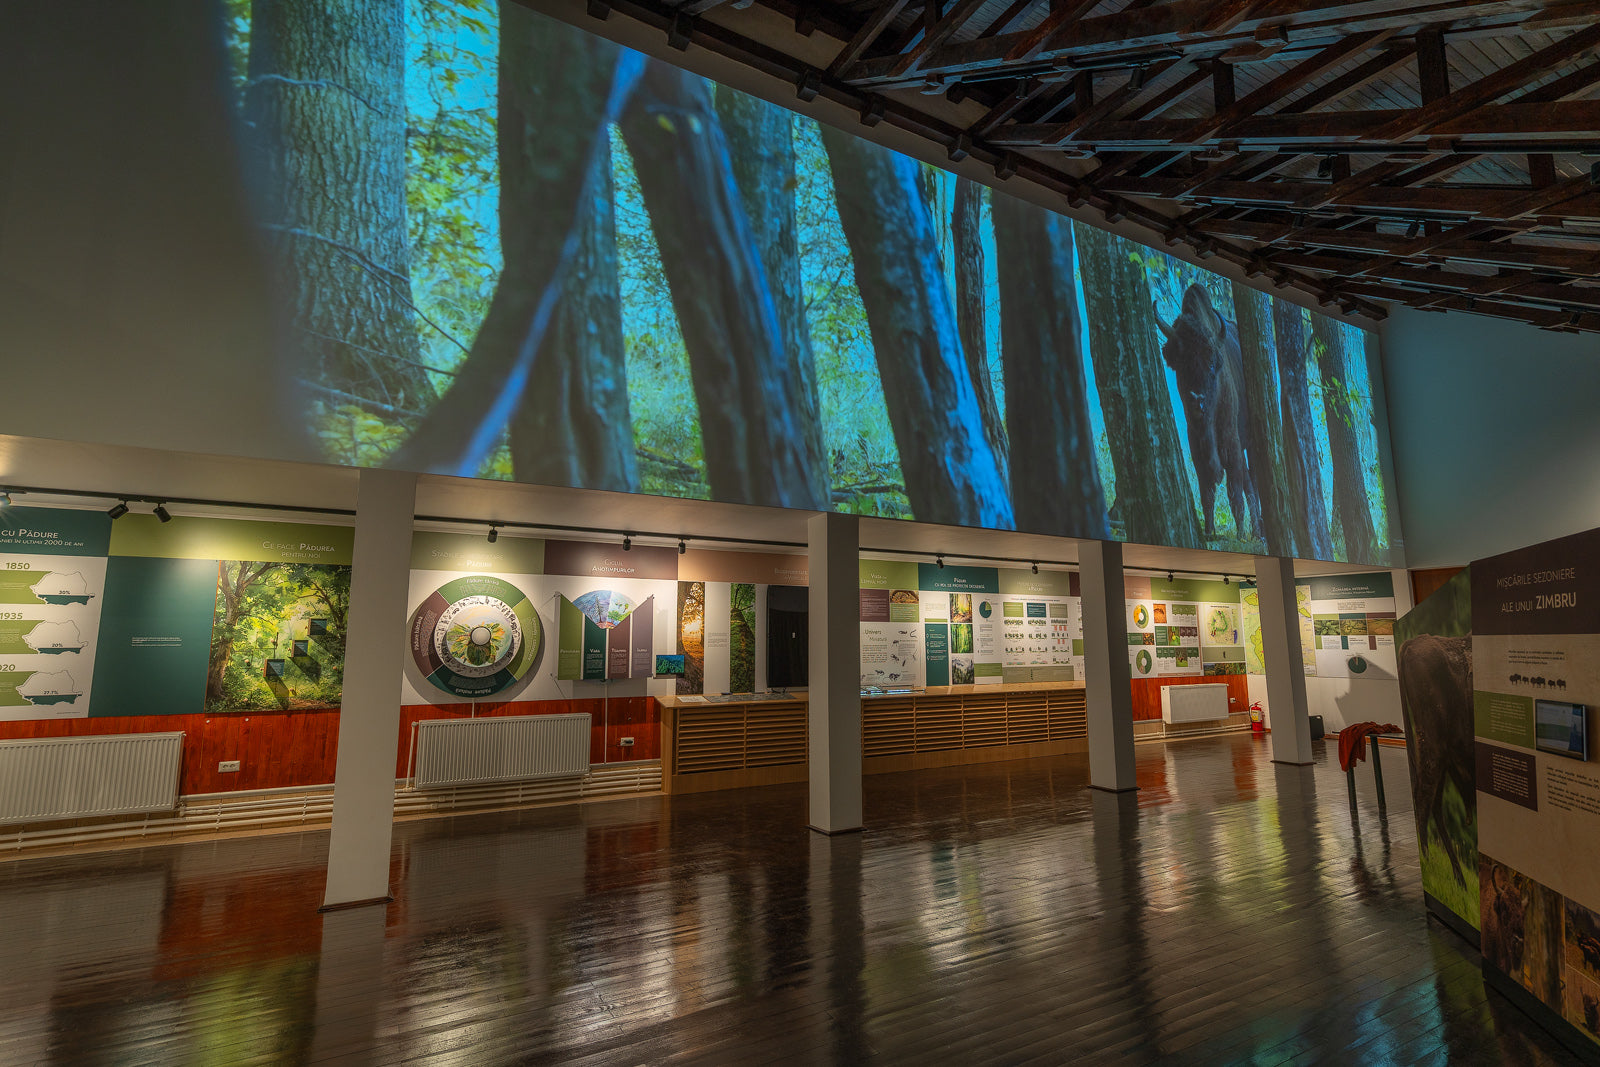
<point x="1227" y="913"/>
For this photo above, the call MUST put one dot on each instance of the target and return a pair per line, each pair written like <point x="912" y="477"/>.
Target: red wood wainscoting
<point x="1147" y="693"/>
<point x="1425" y="583"/>
<point x="275" y="749"/>
<point x="610" y="721"/>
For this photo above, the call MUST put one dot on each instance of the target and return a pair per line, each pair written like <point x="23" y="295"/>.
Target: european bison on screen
<point x="1436" y="698"/>
<point x="1202" y="348"/>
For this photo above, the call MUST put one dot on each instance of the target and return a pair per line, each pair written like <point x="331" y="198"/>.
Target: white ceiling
<point x="113" y="472"/>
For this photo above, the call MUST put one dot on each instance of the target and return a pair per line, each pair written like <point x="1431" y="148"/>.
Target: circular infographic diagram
<point x="1143" y="661"/>
<point x="1141" y="616"/>
<point x="475" y="636"/>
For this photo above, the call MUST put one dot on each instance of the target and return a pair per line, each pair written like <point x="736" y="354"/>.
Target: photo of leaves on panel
<point x="278" y="636"/>
<point x="509" y="248"/>
<point x="742" y="638"/>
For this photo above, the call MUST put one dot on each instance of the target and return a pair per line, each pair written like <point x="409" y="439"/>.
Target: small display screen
<point x="671" y="666"/>
<point x="1561" y="729"/>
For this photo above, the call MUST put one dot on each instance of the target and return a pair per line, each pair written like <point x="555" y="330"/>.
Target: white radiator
<point x="478" y="751"/>
<point x="77" y="777"/>
<point x="1194" y="703"/>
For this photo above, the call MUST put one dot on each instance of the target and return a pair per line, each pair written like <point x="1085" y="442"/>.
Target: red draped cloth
<point x="1353" y="741"/>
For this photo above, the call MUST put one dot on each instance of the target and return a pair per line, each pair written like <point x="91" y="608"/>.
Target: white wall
<point x="1496" y="433"/>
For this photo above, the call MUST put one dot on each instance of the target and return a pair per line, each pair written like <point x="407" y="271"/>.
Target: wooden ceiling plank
<point x="1380" y="65"/>
<point x="1485" y="91"/>
<point x="1008" y="17"/>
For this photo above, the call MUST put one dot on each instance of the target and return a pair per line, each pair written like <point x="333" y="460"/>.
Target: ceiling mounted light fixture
<point x="682" y="545"/>
<point x="117" y="510"/>
<point x="494" y="533"/>
<point x="5" y="498"/>
<point x="627" y="542"/>
<point x="940" y="561"/>
<point x="162" y="513"/>
<point x="1036" y="568"/>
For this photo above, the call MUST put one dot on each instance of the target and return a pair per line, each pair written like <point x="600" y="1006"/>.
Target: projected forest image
<point x="508" y="248"/>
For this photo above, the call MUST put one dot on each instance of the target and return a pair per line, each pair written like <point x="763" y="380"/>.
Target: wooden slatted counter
<point x="730" y="745"/>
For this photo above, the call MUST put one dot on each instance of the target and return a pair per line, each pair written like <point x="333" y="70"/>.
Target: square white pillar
<point x="1107" y="677"/>
<point x="374" y="666"/>
<point x="834" y="672"/>
<point x="1281" y="650"/>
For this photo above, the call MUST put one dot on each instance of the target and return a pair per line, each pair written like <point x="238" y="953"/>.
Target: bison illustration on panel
<point x="1202" y="348"/>
<point x="1436" y="698"/>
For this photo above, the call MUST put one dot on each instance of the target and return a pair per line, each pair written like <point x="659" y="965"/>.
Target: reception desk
<point x="732" y="743"/>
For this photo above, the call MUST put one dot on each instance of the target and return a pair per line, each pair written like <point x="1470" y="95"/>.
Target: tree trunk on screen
<point x="761" y="148"/>
<point x="1349" y="478"/>
<point x="325" y="97"/>
<point x="951" y="473"/>
<point x="1154" y="498"/>
<point x="757" y="448"/>
<point x="1373" y="361"/>
<point x="1304" y="467"/>
<point x="558" y="88"/>
<point x="966" y="218"/>
<point x="573" y="427"/>
<point x="1264" y="419"/>
<point x="1055" y="479"/>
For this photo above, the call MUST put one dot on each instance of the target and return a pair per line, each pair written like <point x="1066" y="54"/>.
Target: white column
<point x="374" y="665"/>
<point x="834" y="672"/>
<point x="1280" y="648"/>
<point x="1107" y="677"/>
<point x="1402" y="591"/>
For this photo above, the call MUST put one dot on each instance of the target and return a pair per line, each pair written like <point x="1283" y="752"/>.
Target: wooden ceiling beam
<point x="870" y="31"/>
<point x="1491" y="87"/>
<point x="1574" y="123"/>
<point x="1529" y="204"/>
<point x="1516" y="283"/>
<point x="1491" y="253"/>
<point x="1209" y="27"/>
<point x="1291" y="80"/>
<point x="943" y="28"/>
<point x="1459" y="204"/>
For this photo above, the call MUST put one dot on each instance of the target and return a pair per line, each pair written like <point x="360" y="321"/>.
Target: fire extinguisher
<point x="1257" y="719"/>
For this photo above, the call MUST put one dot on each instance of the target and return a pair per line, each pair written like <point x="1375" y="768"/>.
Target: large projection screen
<point x="466" y="238"/>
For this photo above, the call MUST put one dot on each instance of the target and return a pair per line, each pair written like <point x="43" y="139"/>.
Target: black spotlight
<point x="682" y="548"/>
<point x="940" y="561"/>
<point x="1169" y="576"/>
<point x="627" y="543"/>
<point x="1036" y="568"/>
<point x="117" y="510"/>
<point x="1224" y="579"/>
<point x="162" y="513"/>
<point x="494" y="534"/>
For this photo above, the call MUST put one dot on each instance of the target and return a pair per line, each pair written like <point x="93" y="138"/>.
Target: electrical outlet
<point x="626" y="742"/>
<point x="228" y="766"/>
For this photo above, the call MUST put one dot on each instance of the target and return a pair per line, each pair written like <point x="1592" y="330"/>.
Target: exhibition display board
<point x="1536" y="684"/>
<point x="138" y="617"/>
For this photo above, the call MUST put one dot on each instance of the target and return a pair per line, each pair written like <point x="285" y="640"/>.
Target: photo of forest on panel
<point x="509" y="248"/>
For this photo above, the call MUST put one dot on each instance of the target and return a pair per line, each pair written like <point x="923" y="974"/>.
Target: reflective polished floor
<point x="1230" y="912"/>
